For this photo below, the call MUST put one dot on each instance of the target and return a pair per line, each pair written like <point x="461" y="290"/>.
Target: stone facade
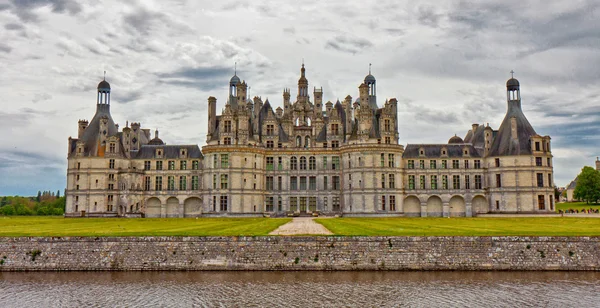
<point x="308" y="157"/>
<point x="300" y="253"/>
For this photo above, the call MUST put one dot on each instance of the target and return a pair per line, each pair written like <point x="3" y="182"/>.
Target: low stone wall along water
<point x="299" y="253"/>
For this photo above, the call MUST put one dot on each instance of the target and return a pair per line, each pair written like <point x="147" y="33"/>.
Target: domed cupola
<point x="156" y="140"/>
<point x="103" y="95"/>
<point x="234" y="80"/>
<point x="104" y="86"/>
<point x="455" y="140"/>
<point x="513" y="92"/>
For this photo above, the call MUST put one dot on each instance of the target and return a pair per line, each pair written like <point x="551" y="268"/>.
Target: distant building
<point x="309" y="156"/>
<point x="573" y="184"/>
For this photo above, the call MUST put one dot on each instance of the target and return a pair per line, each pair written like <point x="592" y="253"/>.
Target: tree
<point x="58" y="193"/>
<point x="39" y="196"/>
<point x="588" y="185"/>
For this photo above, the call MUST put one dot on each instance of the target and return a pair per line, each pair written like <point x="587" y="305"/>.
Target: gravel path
<point x="301" y="225"/>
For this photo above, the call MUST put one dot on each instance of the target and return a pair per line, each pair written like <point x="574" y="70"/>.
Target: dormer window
<point x="422" y="152"/>
<point x="159" y="153"/>
<point x="182" y="153"/>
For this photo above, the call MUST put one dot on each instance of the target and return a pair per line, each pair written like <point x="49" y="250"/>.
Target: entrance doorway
<point x="303" y="204"/>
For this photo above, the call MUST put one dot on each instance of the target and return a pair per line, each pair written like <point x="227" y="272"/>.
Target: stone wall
<point x="300" y="253"/>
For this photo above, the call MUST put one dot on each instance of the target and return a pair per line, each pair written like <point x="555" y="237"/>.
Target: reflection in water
<point x="300" y="289"/>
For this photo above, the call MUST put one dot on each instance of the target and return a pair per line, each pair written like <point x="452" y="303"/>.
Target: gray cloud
<point x="348" y="44"/>
<point x="24" y="9"/>
<point x="13" y="26"/>
<point x="5" y="48"/>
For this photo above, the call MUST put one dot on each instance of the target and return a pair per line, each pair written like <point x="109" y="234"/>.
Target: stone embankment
<point x="299" y="253"/>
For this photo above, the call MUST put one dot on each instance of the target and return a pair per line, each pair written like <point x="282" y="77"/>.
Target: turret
<point x="83" y="124"/>
<point x="318" y="96"/>
<point x="286" y="100"/>
<point x="212" y="114"/>
<point x="372" y="90"/>
<point x="302" y="86"/>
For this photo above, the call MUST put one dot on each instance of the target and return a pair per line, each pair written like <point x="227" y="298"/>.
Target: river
<point x="300" y="289"/>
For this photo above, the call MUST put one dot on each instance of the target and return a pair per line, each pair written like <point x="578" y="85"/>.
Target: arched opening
<point x="308" y="121"/>
<point x="307" y="142"/>
<point x="302" y="163"/>
<point x="412" y="207"/>
<point x="192" y="207"/>
<point x="457" y="207"/>
<point x="435" y="207"/>
<point x="172" y="207"/>
<point x="298" y="121"/>
<point x="479" y="205"/>
<point x="298" y="141"/>
<point x="153" y="207"/>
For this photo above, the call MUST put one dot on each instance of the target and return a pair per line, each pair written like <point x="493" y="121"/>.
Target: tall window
<point x="302" y="163"/>
<point x="455" y="164"/>
<point x="336" y="182"/>
<point x="537" y="146"/>
<point x="498" y="180"/>
<point x="312" y="183"/>
<point x="444" y="164"/>
<point x="411" y="164"/>
<point x="227" y="141"/>
<point x="549" y="179"/>
<point x="158" y="183"/>
<point x="382" y="162"/>
<point x="456" y="181"/>
<point x="335" y="144"/>
<point x="269" y="183"/>
<point x="270" y="163"/>
<point x="325" y="162"/>
<point x="302" y="183"/>
<point x="223" y="204"/>
<point x="477" y="164"/>
<point x="146" y="183"/>
<point x="467" y="182"/>
<point x="171" y="183"/>
<point x="269" y="204"/>
<point x="383" y="203"/>
<point x="392" y="203"/>
<point x="147" y="165"/>
<point x="335" y="162"/>
<point x="195" y="165"/>
<point x="335" y="129"/>
<point x="293" y="183"/>
<point x="538" y="161"/>
<point x="171" y="165"/>
<point x="224" y="181"/>
<point x="387" y="125"/>
<point x="312" y="163"/>
<point x="383" y="181"/>
<point x="227" y="126"/>
<point x="422" y="164"/>
<point x="432" y="164"/>
<point x="270" y="129"/>
<point x="195" y="183"/>
<point x="434" y="182"/>
<point x="422" y="182"/>
<point x="540" y="180"/>
<point x="215" y="160"/>
<point x="466" y="164"/>
<point x="280" y="163"/>
<point x="392" y="180"/>
<point x="270" y="144"/>
<point x="478" y="184"/>
<point x="112" y="147"/>
<point x="497" y="160"/>
<point x="335" y="203"/>
<point x="224" y="160"/>
<point x="541" y="202"/>
<point x="294" y="163"/>
<point x="183" y="182"/>
<point x="444" y="182"/>
<point x="215" y="182"/>
<point x="391" y="160"/>
<point x="388" y="140"/>
<point x="411" y="182"/>
<point x="279" y="183"/>
<point x="183" y="165"/>
<point x="111" y="164"/>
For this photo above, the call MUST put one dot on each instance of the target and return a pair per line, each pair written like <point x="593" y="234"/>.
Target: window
<point x="538" y="161"/>
<point x="312" y="183"/>
<point x="335" y="129"/>
<point x="293" y="183"/>
<point x="467" y="182"/>
<point x="549" y="180"/>
<point x="195" y="183"/>
<point x="444" y="182"/>
<point x="227" y="126"/>
<point x="111" y="186"/>
<point x="422" y="182"/>
<point x="270" y="163"/>
<point x="336" y="182"/>
<point x="279" y="183"/>
<point x="325" y="183"/>
<point x="497" y="160"/>
<point x="477" y="164"/>
<point x="432" y="164"/>
<point x="302" y="183"/>
<point x="383" y="203"/>
<point x="456" y="181"/>
<point x="269" y="183"/>
<point x="391" y="160"/>
<point x="434" y="182"/>
<point x="279" y="163"/>
<point x="78" y="166"/>
<point x="392" y="203"/>
<point x="223" y="204"/>
<point x="195" y="165"/>
<point x="444" y="164"/>
<point x="386" y="125"/>
<point x="312" y="163"/>
<point x="541" y="202"/>
<point x="111" y="164"/>
<point x="159" y="165"/>
<point x="324" y="145"/>
<point x="269" y="204"/>
<point x="335" y="144"/>
<point x="498" y="180"/>
<point x="455" y="164"/>
<point x="302" y="163"/>
<point x="270" y="129"/>
<point x="279" y="204"/>
<point x="293" y="204"/>
<point x="383" y="181"/>
<point x="183" y="165"/>
<point x="325" y="162"/>
<point x="335" y="162"/>
<point x="392" y="180"/>
<point x="421" y="164"/>
<point x="224" y="160"/>
<point x="215" y="181"/>
<point x="270" y="144"/>
<point x="466" y="164"/>
<point x="224" y="178"/>
<point x="146" y="183"/>
<point x="382" y="162"/>
<point x="111" y="177"/>
<point x="312" y="204"/>
<point x="183" y="183"/>
<point x="158" y="183"/>
<point x="171" y="165"/>
<point x="171" y="183"/>
<point x="537" y="145"/>
<point x="147" y="165"/>
<point x="411" y="164"/>
<point x="478" y="184"/>
<point x="540" y="180"/>
<point x="112" y="147"/>
<point x="411" y="182"/>
<point x="294" y="163"/>
<point x="497" y="204"/>
<point x="388" y="140"/>
<point x="335" y="204"/>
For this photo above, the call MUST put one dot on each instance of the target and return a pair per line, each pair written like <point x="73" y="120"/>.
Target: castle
<point x="308" y="157"/>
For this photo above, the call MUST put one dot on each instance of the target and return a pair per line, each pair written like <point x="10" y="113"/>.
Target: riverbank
<point x="299" y="253"/>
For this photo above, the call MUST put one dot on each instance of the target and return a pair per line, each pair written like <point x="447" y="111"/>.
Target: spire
<point x="104" y="76"/>
<point x="235" y="69"/>
<point x="512" y="74"/>
<point x="369" y="68"/>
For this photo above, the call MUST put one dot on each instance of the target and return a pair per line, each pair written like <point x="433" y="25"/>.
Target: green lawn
<point x="58" y="226"/>
<point x="524" y="226"/>
<point x="576" y="206"/>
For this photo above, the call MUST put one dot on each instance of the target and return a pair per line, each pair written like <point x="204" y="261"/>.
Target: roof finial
<point x="512" y="73"/>
<point x="104" y="75"/>
<point x="369" y="68"/>
<point x="235" y="69"/>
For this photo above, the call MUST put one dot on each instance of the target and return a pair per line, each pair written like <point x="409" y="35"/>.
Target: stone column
<point x="468" y="209"/>
<point x="445" y="209"/>
<point x="163" y="208"/>
<point x="180" y="209"/>
<point x="423" y="209"/>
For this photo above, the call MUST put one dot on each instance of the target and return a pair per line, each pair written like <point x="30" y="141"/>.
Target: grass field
<point x="58" y="226"/>
<point x="523" y="226"/>
<point x="576" y="206"/>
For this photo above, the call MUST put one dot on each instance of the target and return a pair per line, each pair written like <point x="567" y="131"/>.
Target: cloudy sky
<point x="445" y="61"/>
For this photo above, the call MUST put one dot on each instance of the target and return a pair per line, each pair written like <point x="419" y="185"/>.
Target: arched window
<point x="307" y="142"/>
<point x="302" y="163"/>
<point x="298" y="141"/>
<point x="297" y="121"/>
<point x="294" y="163"/>
<point x="312" y="163"/>
<point x="308" y="121"/>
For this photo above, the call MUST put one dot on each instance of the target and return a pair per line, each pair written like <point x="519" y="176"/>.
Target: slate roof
<point x="92" y="132"/>
<point x="435" y="150"/>
<point x="169" y="151"/>
<point x="504" y="144"/>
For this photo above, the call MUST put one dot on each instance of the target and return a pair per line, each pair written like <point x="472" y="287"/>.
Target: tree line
<point x="45" y="203"/>
<point x="588" y="185"/>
